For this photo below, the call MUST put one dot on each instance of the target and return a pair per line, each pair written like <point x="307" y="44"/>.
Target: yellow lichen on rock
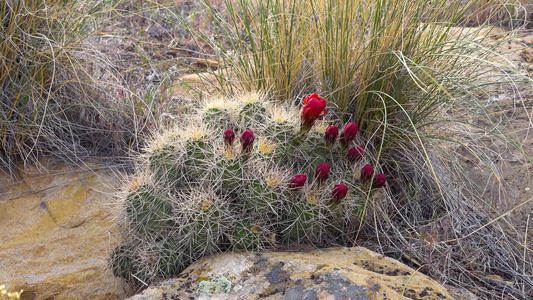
<point x="5" y="295"/>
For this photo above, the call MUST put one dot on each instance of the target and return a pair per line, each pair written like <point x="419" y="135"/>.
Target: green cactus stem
<point x="302" y="224"/>
<point x="148" y="212"/>
<point x="252" y="113"/>
<point x="260" y="198"/>
<point x="171" y="259"/>
<point x="217" y="118"/>
<point x="245" y="235"/>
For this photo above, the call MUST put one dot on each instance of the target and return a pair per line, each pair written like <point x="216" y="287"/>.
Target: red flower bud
<point x="366" y="172"/>
<point x="298" y="181"/>
<point x="379" y="180"/>
<point x="247" y="140"/>
<point x="339" y="192"/>
<point x="313" y="109"/>
<point x="356" y="153"/>
<point x="348" y="133"/>
<point x="322" y="172"/>
<point x="331" y="134"/>
<point x="229" y="137"/>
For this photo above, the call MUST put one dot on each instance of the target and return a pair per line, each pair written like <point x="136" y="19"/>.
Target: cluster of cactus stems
<point x="243" y="174"/>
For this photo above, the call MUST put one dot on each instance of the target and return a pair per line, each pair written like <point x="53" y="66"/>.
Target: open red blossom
<point x="322" y="172"/>
<point x="313" y="109"/>
<point x="247" y="140"/>
<point x="339" y="192"/>
<point x="229" y="137"/>
<point x="298" y="181"/>
<point x="348" y="133"/>
<point x="366" y="172"/>
<point x="356" y="153"/>
<point x="312" y="96"/>
<point x="331" y="134"/>
<point x="379" y="180"/>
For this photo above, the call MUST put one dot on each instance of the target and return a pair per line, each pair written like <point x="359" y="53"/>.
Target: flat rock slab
<point x="56" y="234"/>
<point x="333" y="273"/>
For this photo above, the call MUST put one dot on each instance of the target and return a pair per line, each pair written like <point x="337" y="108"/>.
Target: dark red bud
<point x="356" y="153"/>
<point x="322" y="172"/>
<point x="348" y="133"/>
<point x="298" y="181"/>
<point x="379" y="180"/>
<point x="229" y="137"/>
<point x="366" y="172"/>
<point x="331" y="134"/>
<point x="339" y="192"/>
<point x="247" y="140"/>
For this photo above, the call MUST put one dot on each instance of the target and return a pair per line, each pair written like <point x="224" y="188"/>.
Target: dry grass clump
<point x="57" y="96"/>
<point x="509" y="14"/>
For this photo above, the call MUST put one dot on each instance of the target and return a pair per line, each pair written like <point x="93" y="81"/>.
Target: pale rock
<point x="334" y="273"/>
<point x="57" y="233"/>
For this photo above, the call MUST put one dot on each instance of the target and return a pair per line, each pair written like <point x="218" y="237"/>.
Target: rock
<point x="205" y="62"/>
<point x="57" y="233"/>
<point x="334" y="273"/>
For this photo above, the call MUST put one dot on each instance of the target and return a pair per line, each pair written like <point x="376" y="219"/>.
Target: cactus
<point x="126" y="263"/>
<point x="171" y="259"/>
<point x="230" y="173"/>
<point x="246" y="235"/>
<point x="122" y="262"/>
<point x="243" y="174"/>
<point x="148" y="211"/>
<point x="252" y="113"/>
<point x="302" y="223"/>
<point x="166" y="167"/>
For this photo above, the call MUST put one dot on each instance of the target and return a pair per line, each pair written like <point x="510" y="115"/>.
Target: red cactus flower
<point x="229" y="137"/>
<point x="247" y="140"/>
<point x="313" y="109"/>
<point x="348" y="133"/>
<point x="356" y="153"/>
<point x="366" y="172"/>
<point x="379" y="180"/>
<point x="322" y="172"/>
<point x="312" y="96"/>
<point x="339" y="192"/>
<point x="298" y="181"/>
<point x="331" y="134"/>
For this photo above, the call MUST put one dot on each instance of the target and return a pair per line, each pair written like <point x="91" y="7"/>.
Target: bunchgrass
<point x="58" y="95"/>
<point x="419" y="86"/>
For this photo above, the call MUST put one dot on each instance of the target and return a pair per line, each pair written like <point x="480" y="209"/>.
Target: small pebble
<point x="527" y="189"/>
